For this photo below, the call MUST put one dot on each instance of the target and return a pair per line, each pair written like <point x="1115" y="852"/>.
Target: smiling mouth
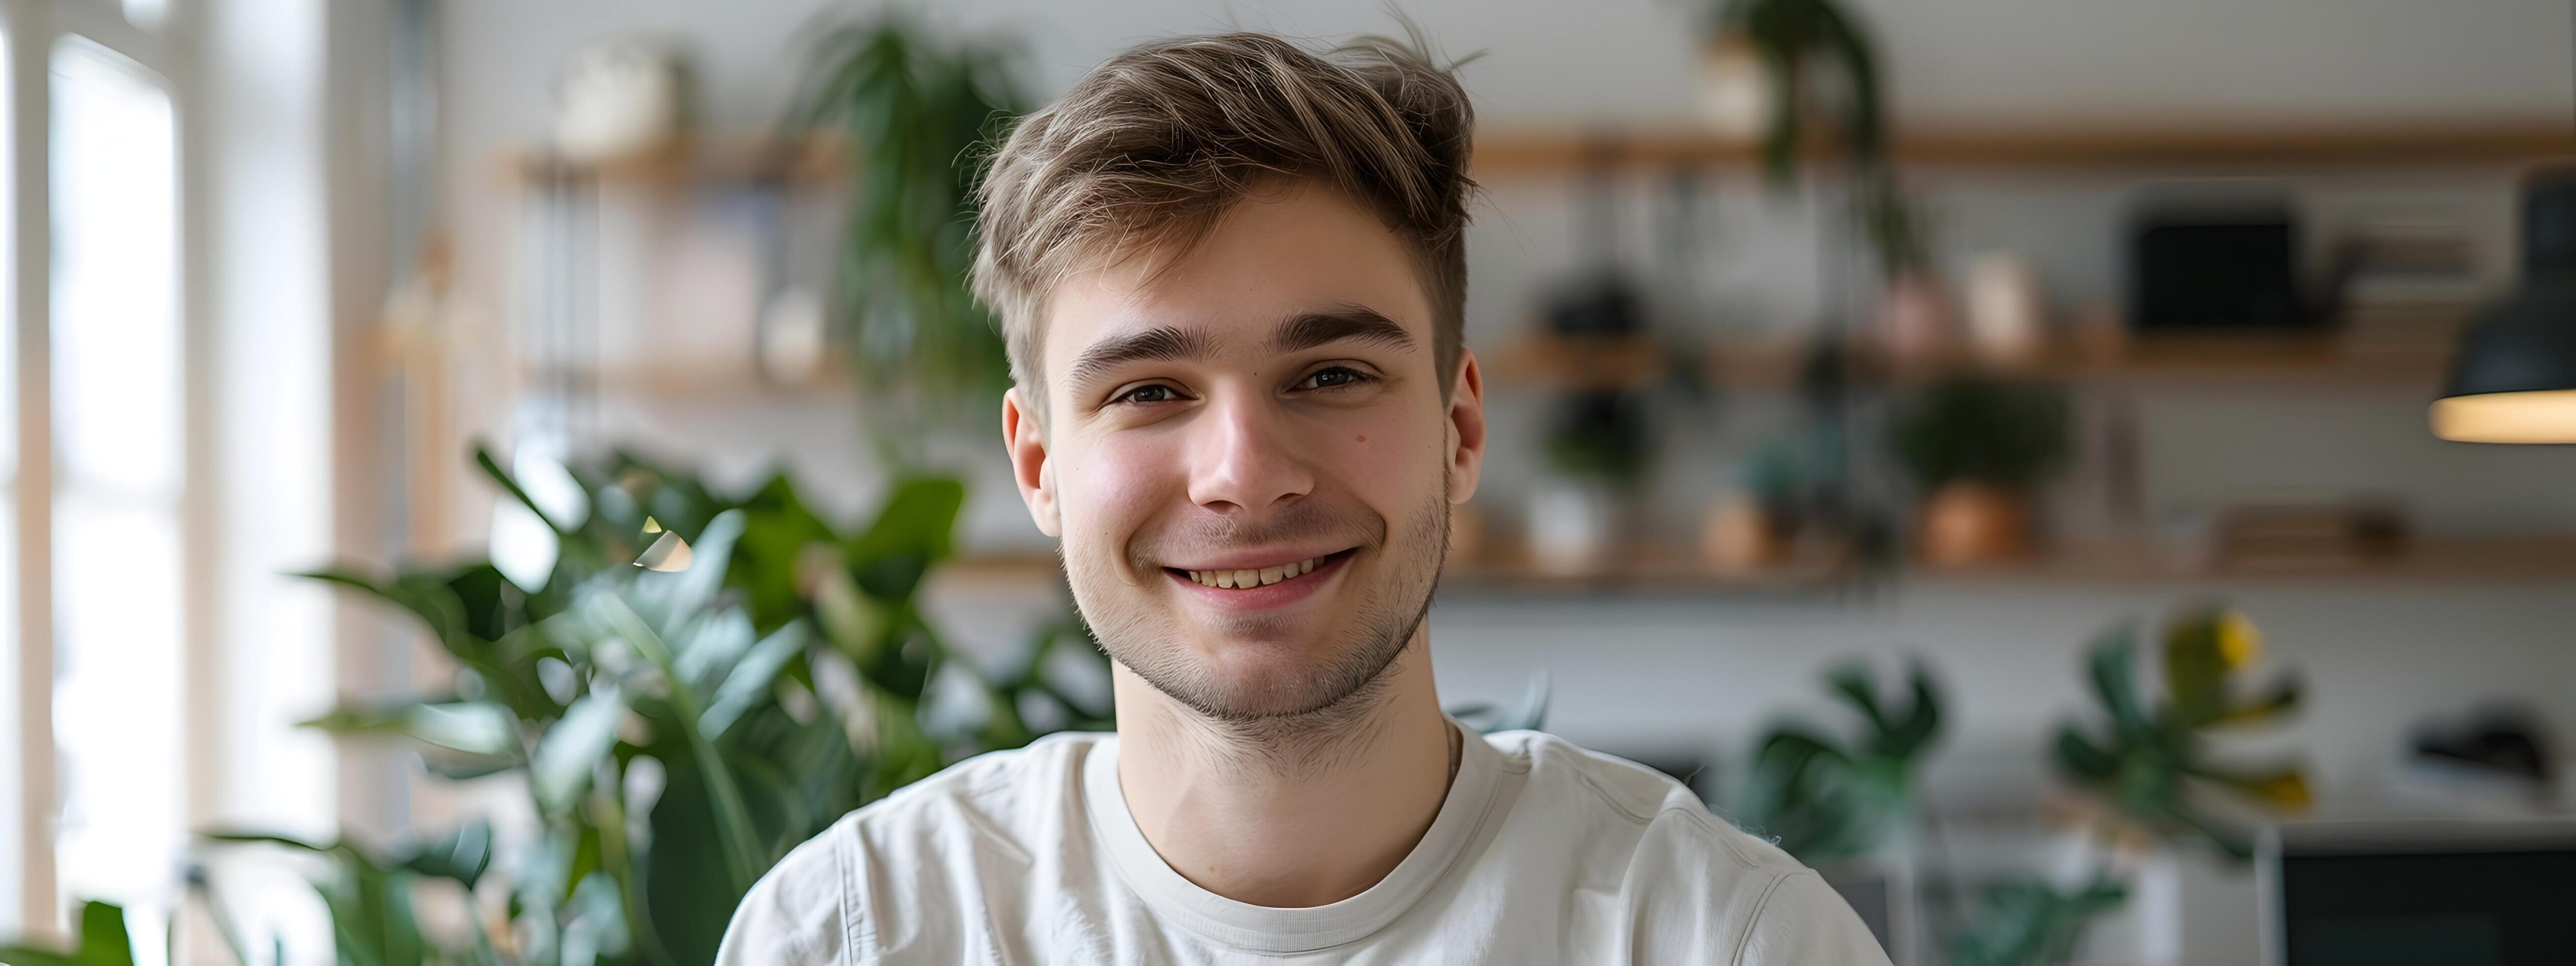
<point x="1263" y="577"/>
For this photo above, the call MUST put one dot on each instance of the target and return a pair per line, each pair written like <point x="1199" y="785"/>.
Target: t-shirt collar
<point x="1273" y="930"/>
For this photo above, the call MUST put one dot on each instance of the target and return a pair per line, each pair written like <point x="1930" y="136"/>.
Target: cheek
<point x="1386" y="455"/>
<point x="1116" y="485"/>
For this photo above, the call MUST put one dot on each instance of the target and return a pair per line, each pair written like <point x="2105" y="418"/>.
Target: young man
<point x="1231" y="276"/>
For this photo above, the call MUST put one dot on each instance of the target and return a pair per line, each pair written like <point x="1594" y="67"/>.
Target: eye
<point x="1334" y="377"/>
<point x="1148" y="393"/>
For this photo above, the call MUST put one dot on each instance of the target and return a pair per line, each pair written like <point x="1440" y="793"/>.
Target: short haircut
<point x="1150" y="149"/>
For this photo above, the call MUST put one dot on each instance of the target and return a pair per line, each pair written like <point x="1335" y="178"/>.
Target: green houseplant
<point x="912" y="111"/>
<point x="2153" y="781"/>
<point x="1978" y="450"/>
<point x="675" y="733"/>
<point x="1827" y="800"/>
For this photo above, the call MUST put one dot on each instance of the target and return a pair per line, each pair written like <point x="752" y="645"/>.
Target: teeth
<point x="1237" y="579"/>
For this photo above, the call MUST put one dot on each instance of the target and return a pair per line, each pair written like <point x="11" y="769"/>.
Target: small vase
<point x="1914" y="317"/>
<point x="1967" y="524"/>
<point x="1736" y="91"/>
<point x="1572" y="529"/>
<point x="2007" y="314"/>
<point x="1742" y="536"/>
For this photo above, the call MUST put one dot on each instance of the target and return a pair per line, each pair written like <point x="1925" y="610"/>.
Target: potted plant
<point x="1785" y="493"/>
<point x="1598" y="449"/>
<point x="2150" y="780"/>
<point x="1978" y="450"/>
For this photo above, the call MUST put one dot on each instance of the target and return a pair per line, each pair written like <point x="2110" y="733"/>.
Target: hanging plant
<point x="1819" y="64"/>
<point x="913" y="112"/>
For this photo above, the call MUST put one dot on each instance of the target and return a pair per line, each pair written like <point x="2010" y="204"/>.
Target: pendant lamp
<point x="2514" y="380"/>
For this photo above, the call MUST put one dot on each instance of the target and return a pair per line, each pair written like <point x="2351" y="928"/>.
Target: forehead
<point x="1296" y="248"/>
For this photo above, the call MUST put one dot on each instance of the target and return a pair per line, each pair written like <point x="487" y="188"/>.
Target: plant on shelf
<point x="914" y="111"/>
<point x="1978" y="450"/>
<point x="697" y="684"/>
<point x="1825" y="800"/>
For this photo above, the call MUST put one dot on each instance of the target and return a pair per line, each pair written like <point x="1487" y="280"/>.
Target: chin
<point x="1245" y="673"/>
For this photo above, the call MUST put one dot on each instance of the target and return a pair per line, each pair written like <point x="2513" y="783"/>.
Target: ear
<point x="1466" y="428"/>
<point x="1026" y="441"/>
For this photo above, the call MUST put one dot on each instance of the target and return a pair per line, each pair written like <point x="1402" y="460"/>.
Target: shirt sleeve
<point x="797" y="915"/>
<point x="1804" y="921"/>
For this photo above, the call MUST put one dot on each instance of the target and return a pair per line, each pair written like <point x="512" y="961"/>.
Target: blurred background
<point x="489" y="477"/>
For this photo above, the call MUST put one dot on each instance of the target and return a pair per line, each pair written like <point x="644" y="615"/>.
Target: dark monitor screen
<point x="2472" y="908"/>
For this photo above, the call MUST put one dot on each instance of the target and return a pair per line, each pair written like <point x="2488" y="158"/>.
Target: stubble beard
<point x="1299" y="713"/>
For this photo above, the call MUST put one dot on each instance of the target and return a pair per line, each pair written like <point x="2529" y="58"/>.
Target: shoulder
<point x="1715" y="892"/>
<point x="1661" y="810"/>
<point x="826" y="902"/>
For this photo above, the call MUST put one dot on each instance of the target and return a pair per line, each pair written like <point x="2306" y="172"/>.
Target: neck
<point x="1289" y="812"/>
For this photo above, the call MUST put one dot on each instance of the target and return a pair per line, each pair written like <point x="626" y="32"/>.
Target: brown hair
<point x="1156" y="143"/>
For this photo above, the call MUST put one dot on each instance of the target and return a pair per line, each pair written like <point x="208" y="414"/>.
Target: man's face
<point x="1249" y="456"/>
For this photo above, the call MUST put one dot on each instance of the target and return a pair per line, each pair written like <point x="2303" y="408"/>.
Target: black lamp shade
<point x="2514" y="380"/>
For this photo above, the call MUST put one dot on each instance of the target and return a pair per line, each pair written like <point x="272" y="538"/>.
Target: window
<point x="94" y="772"/>
<point x="166" y="456"/>
<point x="117" y="475"/>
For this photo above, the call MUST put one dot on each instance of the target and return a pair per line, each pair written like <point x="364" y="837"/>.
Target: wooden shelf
<point x="714" y="381"/>
<point x="746" y="159"/>
<point x="2285" y="360"/>
<point x="1661" y="570"/>
<point x="1641" y="568"/>
<point x="2298" y="144"/>
<point x="2432" y="559"/>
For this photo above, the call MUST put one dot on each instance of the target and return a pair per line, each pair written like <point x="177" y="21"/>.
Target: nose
<point x="1245" y="461"/>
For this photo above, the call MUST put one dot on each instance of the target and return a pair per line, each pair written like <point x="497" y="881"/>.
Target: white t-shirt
<point x="1542" y="853"/>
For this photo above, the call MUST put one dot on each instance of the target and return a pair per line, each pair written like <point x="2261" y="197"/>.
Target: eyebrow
<point x="1304" y="330"/>
<point x="1307" y="330"/>
<point x="1160" y="343"/>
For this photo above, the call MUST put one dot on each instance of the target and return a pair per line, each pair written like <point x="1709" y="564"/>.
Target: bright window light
<point x="117" y="422"/>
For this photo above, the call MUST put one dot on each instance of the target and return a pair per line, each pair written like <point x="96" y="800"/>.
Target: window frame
<point x="33" y="31"/>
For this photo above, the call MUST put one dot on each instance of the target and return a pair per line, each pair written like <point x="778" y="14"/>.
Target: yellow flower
<point x="2239" y="642"/>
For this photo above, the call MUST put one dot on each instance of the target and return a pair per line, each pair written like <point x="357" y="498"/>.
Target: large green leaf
<point x="779" y="532"/>
<point x="478" y="728"/>
<point x="2114" y="674"/>
<point x="463" y="854"/>
<point x="750" y="680"/>
<point x="743" y="855"/>
<point x="425" y="597"/>
<point x="571" y="752"/>
<point x="103" y="941"/>
<point x="911" y="533"/>
<point x="689" y="888"/>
